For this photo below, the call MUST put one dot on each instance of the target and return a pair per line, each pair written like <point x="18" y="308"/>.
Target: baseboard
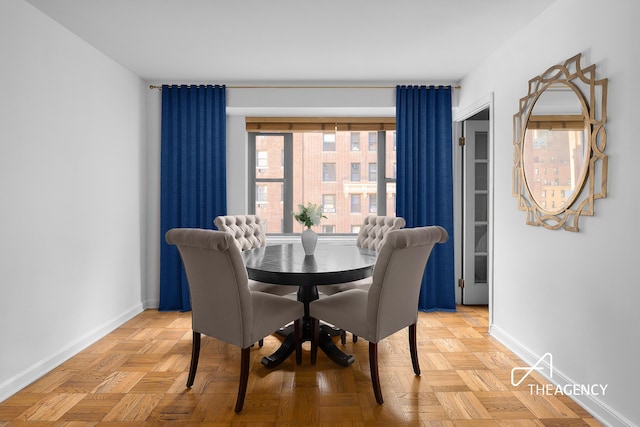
<point x="37" y="370"/>
<point x="150" y="304"/>
<point x="600" y="410"/>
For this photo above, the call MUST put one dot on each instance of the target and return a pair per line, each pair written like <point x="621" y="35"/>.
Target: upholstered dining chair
<point x="222" y="305"/>
<point x="248" y="233"/>
<point x="371" y="236"/>
<point x="247" y="230"/>
<point x="375" y="228"/>
<point x="390" y="304"/>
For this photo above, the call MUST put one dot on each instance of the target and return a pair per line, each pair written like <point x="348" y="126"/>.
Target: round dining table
<point x="287" y="265"/>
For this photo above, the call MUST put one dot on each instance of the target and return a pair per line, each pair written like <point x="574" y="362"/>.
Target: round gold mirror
<point x="559" y="139"/>
<point x="555" y="149"/>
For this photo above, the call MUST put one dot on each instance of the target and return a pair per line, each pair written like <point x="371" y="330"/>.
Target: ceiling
<point x="295" y="41"/>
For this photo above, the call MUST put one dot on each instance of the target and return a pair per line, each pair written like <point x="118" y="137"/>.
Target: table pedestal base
<point x="326" y="344"/>
<point x="306" y="294"/>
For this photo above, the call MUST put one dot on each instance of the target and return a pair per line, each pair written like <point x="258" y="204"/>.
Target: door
<point x="475" y="207"/>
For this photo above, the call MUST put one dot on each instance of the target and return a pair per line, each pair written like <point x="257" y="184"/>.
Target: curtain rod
<point x="309" y="87"/>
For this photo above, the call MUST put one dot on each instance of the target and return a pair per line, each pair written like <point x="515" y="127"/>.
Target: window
<point x="373" y="172"/>
<point x="356" y="200"/>
<point x="328" y="142"/>
<point x="373" y="203"/>
<point x="262" y="160"/>
<point x="355" y="229"/>
<point x="269" y="189"/>
<point x="321" y="167"/>
<point x="328" y="203"/>
<point x="355" y="172"/>
<point x="355" y="141"/>
<point x="328" y="172"/>
<point x="262" y="195"/>
<point x="328" y="228"/>
<point x="373" y="141"/>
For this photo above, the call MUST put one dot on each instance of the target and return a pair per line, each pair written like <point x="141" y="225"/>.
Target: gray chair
<point x="390" y="304"/>
<point x="371" y="236"/>
<point x="247" y="230"/>
<point x="248" y="233"/>
<point x="374" y="230"/>
<point x="222" y="304"/>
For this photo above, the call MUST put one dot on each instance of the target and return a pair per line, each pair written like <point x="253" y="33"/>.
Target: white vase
<point x="309" y="240"/>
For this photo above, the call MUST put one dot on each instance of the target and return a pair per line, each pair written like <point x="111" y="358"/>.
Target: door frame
<point x="460" y="114"/>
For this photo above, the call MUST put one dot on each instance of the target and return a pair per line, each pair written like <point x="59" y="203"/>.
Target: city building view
<point x="557" y="159"/>
<point x="338" y="170"/>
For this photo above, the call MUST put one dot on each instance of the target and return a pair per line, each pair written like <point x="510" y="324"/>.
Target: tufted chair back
<point x="247" y="230"/>
<point x="374" y="230"/>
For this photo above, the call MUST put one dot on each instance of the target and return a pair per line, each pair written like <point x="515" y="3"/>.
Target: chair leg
<point x="244" y="378"/>
<point x="195" y="353"/>
<point x="414" y="349"/>
<point x="315" y="337"/>
<point x="355" y="338"/>
<point x="297" y="331"/>
<point x="373" y="366"/>
<point x="261" y="342"/>
<point x="343" y="337"/>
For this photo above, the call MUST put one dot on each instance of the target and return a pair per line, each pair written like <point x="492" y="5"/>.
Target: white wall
<point x="71" y="169"/>
<point x="574" y="295"/>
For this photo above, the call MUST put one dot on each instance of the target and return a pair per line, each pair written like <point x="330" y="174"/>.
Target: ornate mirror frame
<point x="592" y="184"/>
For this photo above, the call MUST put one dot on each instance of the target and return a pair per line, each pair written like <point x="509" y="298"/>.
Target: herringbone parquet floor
<point x="136" y="376"/>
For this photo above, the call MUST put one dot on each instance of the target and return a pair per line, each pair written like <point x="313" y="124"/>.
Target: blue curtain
<point x="192" y="175"/>
<point x="424" y="187"/>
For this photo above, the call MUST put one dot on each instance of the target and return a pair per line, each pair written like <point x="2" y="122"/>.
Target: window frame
<point x="328" y="146"/>
<point x="371" y="172"/>
<point x="264" y="200"/>
<point x="352" y="198"/>
<point x="262" y="162"/>
<point x="373" y="203"/>
<point x="355" y="171"/>
<point x="328" y="226"/>
<point x="382" y="180"/>
<point x="325" y="173"/>
<point x="286" y="180"/>
<point x="372" y="145"/>
<point x="354" y="142"/>
<point x="324" y="204"/>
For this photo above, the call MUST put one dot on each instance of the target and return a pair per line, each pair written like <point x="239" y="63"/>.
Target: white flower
<point x="308" y="215"/>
